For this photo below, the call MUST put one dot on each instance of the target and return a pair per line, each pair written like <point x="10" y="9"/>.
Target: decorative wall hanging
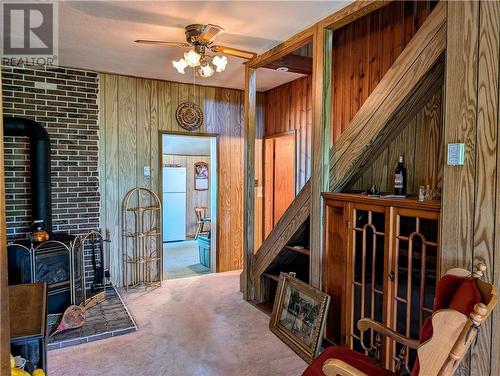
<point x="201" y="176"/>
<point x="189" y="116"/>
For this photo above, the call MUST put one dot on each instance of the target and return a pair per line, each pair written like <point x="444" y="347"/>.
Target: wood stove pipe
<point x="41" y="201"/>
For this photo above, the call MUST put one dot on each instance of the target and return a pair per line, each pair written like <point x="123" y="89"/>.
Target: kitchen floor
<point x="181" y="259"/>
<point x="191" y="326"/>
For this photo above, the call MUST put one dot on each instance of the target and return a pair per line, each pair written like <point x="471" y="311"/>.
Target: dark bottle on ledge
<point x="400" y="178"/>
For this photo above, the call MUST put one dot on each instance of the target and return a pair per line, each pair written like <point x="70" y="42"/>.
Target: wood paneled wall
<point x="193" y="198"/>
<point x="471" y="193"/>
<point x="132" y="113"/>
<point x="364" y="50"/>
<point x="420" y="142"/>
<point x="289" y="108"/>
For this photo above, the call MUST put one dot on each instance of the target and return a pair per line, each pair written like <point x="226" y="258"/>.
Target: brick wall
<point x="64" y="101"/>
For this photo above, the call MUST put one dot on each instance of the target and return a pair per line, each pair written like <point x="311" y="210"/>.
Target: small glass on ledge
<point x="421" y="193"/>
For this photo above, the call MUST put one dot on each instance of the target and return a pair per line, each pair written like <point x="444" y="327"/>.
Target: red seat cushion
<point x="353" y="358"/>
<point x="458" y="293"/>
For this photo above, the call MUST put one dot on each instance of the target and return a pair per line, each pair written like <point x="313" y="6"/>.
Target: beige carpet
<point x="191" y="326"/>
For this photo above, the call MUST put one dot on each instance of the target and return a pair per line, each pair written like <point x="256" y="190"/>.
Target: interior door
<point x="279" y="178"/>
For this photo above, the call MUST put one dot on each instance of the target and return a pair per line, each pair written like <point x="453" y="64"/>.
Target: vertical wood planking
<point x="460" y="126"/>
<point x="133" y="111"/>
<point x="428" y="140"/>
<point x="289" y="108"/>
<point x="112" y="207"/>
<point x="420" y="142"/>
<point x="364" y="50"/>
<point x="486" y="165"/>
<point x="143" y="130"/>
<point x="154" y="137"/>
<point x="127" y="140"/>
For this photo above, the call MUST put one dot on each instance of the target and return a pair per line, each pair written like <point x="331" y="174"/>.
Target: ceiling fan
<point x="200" y="38"/>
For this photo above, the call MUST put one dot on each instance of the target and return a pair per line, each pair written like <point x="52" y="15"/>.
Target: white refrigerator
<point x="174" y="204"/>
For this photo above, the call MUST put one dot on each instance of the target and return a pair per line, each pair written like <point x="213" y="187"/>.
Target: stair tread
<point x="272" y="276"/>
<point x="303" y="250"/>
<point x="265" y="307"/>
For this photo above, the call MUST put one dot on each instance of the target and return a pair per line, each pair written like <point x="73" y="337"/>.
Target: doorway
<point x="189" y="204"/>
<point x="279" y="177"/>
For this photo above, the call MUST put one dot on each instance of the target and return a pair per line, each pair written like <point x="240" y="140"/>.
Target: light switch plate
<point x="147" y="171"/>
<point x="258" y="193"/>
<point x="456" y="154"/>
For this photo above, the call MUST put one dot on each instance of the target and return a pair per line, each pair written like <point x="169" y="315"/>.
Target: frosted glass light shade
<point x="192" y="58"/>
<point x="220" y="63"/>
<point x="180" y="65"/>
<point x="206" y="71"/>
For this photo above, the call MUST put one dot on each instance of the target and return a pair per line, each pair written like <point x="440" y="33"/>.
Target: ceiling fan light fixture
<point x="206" y="71"/>
<point x="220" y="63"/>
<point x="192" y="58"/>
<point x="180" y="65"/>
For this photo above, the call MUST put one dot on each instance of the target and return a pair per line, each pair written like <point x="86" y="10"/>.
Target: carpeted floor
<point x="191" y="326"/>
<point x="181" y="259"/>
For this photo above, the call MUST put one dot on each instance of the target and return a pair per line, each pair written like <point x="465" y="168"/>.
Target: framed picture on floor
<point x="298" y="317"/>
<point x="201" y="176"/>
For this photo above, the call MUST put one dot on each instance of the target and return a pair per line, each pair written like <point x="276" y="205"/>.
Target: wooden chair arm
<point x="365" y="324"/>
<point x="334" y="367"/>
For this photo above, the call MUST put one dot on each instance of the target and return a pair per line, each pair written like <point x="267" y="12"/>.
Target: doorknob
<point x="392" y="275"/>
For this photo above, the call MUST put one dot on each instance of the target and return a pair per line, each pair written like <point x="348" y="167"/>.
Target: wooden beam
<point x="351" y="13"/>
<point x="283" y="49"/>
<point x="4" y="291"/>
<point x="287" y="226"/>
<point x="294" y="64"/>
<point x="249" y="169"/>
<point x="383" y="107"/>
<point x="322" y="91"/>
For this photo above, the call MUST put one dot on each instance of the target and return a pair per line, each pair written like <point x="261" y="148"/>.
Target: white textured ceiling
<point x="99" y="35"/>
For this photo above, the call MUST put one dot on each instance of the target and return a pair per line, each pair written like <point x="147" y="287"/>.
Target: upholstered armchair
<point x="463" y="302"/>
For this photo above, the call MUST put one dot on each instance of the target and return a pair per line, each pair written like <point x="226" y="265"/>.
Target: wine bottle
<point x="400" y="178"/>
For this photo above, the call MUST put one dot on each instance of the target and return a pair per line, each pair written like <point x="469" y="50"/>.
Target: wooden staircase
<point x="400" y="94"/>
<point x="285" y="233"/>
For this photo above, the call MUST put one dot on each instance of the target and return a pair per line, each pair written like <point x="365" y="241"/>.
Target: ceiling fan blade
<point x="209" y="33"/>
<point x="162" y="43"/>
<point x="234" y="52"/>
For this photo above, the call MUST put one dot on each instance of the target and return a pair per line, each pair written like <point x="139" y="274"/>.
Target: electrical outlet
<point x="147" y="171"/>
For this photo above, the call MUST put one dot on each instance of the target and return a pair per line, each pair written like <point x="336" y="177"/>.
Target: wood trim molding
<point x="351" y="13"/>
<point x="4" y="290"/>
<point x="283" y="49"/>
<point x="320" y="146"/>
<point x="247" y="281"/>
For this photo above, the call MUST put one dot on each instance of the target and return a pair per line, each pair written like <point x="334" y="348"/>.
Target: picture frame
<point x="299" y="315"/>
<point x="201" y="176"/>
